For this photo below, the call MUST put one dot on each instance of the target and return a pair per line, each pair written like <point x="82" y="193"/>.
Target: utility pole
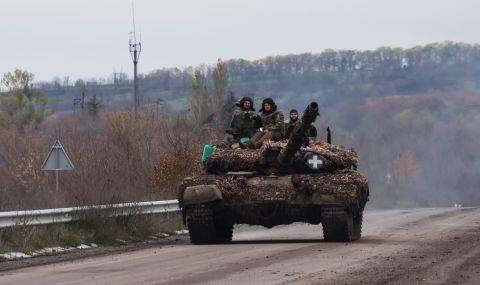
<point x="117" y="78"/>
<point x="79" y="101"/>
<point x="83" y="97"/>
<point x="76" y="102"/>
<point x="135" y="50"/>
<point x="159" y="103"/>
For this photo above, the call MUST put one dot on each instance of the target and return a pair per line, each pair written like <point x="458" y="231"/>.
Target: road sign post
<point x="57" y="159"/>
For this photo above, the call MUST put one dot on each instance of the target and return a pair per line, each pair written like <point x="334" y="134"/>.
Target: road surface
<point x="415" y="246"/>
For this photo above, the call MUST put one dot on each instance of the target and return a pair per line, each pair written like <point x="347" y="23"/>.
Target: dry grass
<point x="117" y="157"/>
<point x="103" y="231"/>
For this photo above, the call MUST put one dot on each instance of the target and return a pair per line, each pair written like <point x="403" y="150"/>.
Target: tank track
<point x="202" y="227"/>
<point x="340" y="225"/>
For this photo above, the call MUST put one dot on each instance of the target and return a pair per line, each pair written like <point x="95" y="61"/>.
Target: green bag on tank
<point x="244" y="139"/>
<point x="207" y="151"/>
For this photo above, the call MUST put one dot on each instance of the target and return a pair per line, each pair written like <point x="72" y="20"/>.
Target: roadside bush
<point x="117" y="157"/>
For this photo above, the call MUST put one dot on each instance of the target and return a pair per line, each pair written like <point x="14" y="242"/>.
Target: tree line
<point x="411" y="114"/>
<point x="331" y="76"/>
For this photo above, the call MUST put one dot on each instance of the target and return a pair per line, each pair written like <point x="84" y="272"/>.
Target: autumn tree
<point x="406" y="168"/>
<point x="22" y="104"/>
<point x="222" y="98"/>
<point x="199" y="100"/>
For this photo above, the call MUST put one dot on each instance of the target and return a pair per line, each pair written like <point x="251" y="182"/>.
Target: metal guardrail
<point x="63" y="215"/>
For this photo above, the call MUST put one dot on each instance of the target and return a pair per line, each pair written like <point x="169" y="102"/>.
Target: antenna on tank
<point x="135" y="50"/>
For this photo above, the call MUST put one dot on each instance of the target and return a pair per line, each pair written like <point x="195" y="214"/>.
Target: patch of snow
<point x="14" y="255"/>
<point x="122" y="241"/>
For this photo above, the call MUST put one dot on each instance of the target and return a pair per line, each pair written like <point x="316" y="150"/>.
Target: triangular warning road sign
<point x="57" y="159"/>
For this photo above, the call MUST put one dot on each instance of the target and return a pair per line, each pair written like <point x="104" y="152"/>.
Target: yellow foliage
<point x="121" y="128"/>
<point x="406" y="168"/>
<point x="22" y="105"/>
<point x="200" y="103"/>
<point x="18" y="79"/>
<point x="170" y="171"/>
<point x="405" y="117"/>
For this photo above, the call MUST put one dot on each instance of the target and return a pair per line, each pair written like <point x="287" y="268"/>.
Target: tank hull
<point x="275" y="200"/>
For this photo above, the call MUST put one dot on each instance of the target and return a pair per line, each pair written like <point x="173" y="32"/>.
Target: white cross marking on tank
<point x="315" y="162"/>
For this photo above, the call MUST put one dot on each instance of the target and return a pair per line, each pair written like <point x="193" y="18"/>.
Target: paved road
<point x="417" y="246"/>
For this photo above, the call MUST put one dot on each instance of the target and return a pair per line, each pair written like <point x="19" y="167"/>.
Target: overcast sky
<point x="86" y="38"/>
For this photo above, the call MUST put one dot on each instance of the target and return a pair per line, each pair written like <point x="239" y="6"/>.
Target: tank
<point x="295" y="180"/>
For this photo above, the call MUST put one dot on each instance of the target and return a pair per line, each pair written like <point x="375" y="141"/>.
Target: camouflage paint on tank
<point x="225" y="160"/>
<point x="347" y="187"/>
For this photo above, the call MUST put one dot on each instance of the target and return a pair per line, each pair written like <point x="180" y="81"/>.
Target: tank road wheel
<point x="202" y="228"/>
<point x="340" y="225"/>
<point x="357" y="225"/>
<point x="224" y="233"/>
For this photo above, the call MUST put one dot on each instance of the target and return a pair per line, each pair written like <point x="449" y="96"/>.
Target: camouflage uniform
<point x="289" y="126"/>
<point x="311" y="132"/>
<point x="244" y="123"/>
<point x="272" y="123"/>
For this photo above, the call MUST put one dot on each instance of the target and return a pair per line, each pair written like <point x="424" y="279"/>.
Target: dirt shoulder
<point x="410" y="246"/>
<point x="91" y="252"/>
<point x="438" y="249"/>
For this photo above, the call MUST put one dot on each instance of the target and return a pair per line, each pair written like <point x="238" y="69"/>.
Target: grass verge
<point x="91" y="229"/>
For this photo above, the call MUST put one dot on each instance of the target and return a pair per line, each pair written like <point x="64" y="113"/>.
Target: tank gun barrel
<point x="298" y="134"/>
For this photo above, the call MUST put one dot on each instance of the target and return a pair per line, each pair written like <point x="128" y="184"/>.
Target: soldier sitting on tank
<point x="272" y="124"/>
<point x="244" y="124"/>
<point x="311" y="132"/>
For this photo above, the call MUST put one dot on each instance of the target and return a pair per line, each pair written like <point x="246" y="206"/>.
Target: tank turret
<point x="286" y="156"/>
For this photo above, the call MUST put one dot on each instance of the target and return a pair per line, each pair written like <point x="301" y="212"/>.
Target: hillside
<point x="331" y="77"/>
<point x="412" y="114"/>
